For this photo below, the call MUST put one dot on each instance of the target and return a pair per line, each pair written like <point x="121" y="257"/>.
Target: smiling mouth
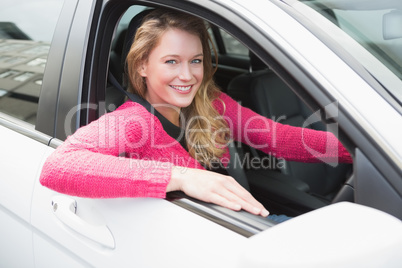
<point x="182" y="89"/>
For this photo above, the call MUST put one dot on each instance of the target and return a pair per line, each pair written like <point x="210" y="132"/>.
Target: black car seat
<point x="117" y="64"/>
<point x="264" y="92"/>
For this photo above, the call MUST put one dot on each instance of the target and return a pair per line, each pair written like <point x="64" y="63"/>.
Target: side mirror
<point x="339" y="235"/>
<point x="392" y="25"/>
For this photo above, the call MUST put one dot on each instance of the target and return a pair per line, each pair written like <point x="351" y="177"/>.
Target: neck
<point x="170" y="113"/>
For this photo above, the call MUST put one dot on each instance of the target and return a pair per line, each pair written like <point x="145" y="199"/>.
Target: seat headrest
<point x="132" y="28"/>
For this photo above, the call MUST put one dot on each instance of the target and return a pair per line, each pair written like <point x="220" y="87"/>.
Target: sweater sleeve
<point x="91" y="163"/>
<point x="288" y="142"/>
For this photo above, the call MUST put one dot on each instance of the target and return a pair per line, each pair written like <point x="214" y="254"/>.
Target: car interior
<point x="289" y="188"/>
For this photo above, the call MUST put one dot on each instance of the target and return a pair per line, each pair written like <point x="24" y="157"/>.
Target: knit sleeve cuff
<point x="152" y="182"/>
<point x="344" y="155"/>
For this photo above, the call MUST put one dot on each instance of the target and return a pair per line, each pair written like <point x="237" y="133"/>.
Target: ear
<point x="142" y="69"/>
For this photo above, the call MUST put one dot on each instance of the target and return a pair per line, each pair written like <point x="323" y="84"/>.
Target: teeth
<point x="181" y="88"/>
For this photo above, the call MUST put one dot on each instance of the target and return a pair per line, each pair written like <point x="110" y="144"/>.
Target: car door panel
<point x="18" y="235"/>
<point x="373" y="189"/>
<point x="142" y="230"/>
<point x="20" y="159"/>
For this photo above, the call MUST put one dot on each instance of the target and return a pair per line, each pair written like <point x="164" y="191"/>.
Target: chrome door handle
<point x="65" y="208"/>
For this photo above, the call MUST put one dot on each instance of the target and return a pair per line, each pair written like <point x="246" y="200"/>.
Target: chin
<point x="183" y="103"/>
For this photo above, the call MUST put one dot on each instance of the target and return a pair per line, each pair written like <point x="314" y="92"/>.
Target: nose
<point x="185" y="72"/>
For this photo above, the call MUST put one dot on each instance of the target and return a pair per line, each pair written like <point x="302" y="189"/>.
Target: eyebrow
<point x="178" y="56"/>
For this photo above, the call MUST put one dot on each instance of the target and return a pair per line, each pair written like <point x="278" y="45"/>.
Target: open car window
<point x="272" y="181"/>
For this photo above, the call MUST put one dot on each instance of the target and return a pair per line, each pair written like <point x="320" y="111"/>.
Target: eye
<point x="196" y="61"/>
<point x="170" y="62"/>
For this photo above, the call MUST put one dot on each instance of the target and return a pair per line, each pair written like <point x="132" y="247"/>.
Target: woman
<point x="175" y="137"/>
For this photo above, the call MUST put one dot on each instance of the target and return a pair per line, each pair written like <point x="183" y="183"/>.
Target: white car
<point x="327" y="64"/>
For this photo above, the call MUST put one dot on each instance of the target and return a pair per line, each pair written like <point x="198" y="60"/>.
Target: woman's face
<point x="174" y="70"/>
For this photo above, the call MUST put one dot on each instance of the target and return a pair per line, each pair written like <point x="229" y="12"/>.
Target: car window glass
<point x="232" y="45"/>
<point x="211" y="34"/>
<point x="375" y="25"/>
<point x="378" y="38"/>
<point x="26" y="31"/>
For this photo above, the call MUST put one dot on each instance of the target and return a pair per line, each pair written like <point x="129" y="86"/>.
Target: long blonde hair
<point x="208" y="141"/>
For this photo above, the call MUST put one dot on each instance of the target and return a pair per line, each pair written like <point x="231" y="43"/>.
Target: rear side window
<point x="232" y="45"/>
<point x="26" y="32"/>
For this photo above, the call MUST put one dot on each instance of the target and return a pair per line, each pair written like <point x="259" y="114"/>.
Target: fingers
<point x="235" y="197"/>
<point x="242" y="193"/>
<point x="224" y="202"/>
<point x="216" y="188"/>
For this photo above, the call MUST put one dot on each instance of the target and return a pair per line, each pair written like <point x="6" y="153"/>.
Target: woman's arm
<point x="88" y="163"/>
<point x="288" y="142"/>
<point x="82" y="172"/>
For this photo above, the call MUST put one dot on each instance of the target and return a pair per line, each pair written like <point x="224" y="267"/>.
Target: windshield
<point x="375" y="25"/>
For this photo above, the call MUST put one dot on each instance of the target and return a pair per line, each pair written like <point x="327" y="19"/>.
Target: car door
<point x="25" y="39"/>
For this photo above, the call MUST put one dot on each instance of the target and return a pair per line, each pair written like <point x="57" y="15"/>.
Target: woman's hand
<point x="214" y="188"/>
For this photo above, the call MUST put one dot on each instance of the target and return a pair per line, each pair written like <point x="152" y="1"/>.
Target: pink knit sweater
<point x="127" y="153"/>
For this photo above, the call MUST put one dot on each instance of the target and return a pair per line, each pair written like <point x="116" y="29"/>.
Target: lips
<point x="182" y="89"/>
